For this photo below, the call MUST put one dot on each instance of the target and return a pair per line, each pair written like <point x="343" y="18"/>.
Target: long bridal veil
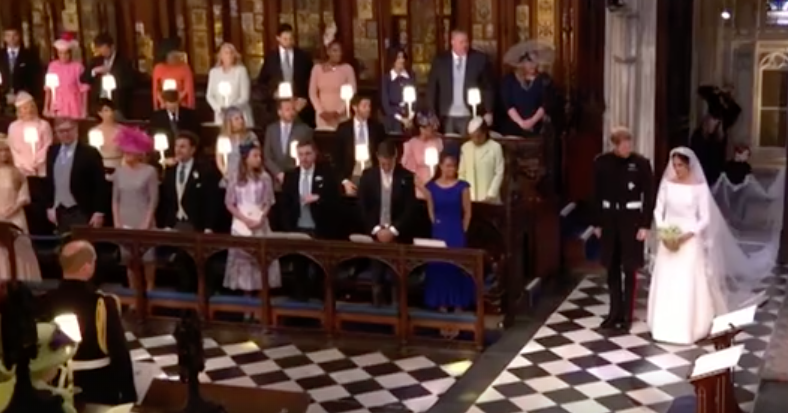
<point x="742" y="239"/>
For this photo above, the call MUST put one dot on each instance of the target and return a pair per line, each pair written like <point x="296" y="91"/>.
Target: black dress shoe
<point x="624" y="325"/>
<point x="608" y="322"/>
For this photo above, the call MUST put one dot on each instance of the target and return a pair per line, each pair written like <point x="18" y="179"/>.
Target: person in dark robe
<point x="709" y="144"/>
<point x="738" y="168"/>
<point x="102" y="366"/>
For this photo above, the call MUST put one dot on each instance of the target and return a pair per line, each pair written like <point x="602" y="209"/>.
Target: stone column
<point x="630" y="72"/>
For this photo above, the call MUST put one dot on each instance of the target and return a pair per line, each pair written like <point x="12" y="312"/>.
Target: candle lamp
<point x="431" y="158"/>
<point x="225" y="89"/>
<point x="69" y="325"/>
<point x="224" y="147"/>
<point x="284" y="90"/>
<point x="31" y="137"/>
<point x="96" y="138"/>
<point x="52" y="82"/>
<point x="409" y="98"/>
<point x="474" y="99"/>
<point x="346" y="93"/>
<point x="108" y="85"/>
<point x="161" y="144"/>
<point x="362" y="156"/>
<point x="294" y="152"/>
<point x="169" y="84"/>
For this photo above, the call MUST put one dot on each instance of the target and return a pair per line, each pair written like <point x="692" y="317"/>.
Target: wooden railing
<point x="327" y="255"/>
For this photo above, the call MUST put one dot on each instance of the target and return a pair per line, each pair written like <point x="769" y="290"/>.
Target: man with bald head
<point x="102" y="365"/>
<point x="452" y="75"/>
<point x="77" y="193"/>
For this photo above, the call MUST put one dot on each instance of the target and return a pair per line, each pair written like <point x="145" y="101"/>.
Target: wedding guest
<point x="175" y="68"/>
<point x="414" y="150"/>
<point x="70" y="98"/>
<point x="109" y="63"/>
<point x="482" y="163"/>
<point x="29" y="158"/>
<point x="288" y="63"/>
<point x="325" y="85"/>
<point x="110" y="129"/>
<point x="447" y="287"/>
<point x="386" y="197"/>
<point x="452" y="74"/>
<point x="362" y="129"/>
<point x="76" y="187"/>
<point x="279" y="137"/>
<point x="14" y="196"/>
<point x="249" y="198"/>
<point x="231" y="71"/>
<point x="20" y="67"/>
<point x="397" y="119"/>
<point x="524" y="93"/>
<point x="135" y="192"/>
<point x="709" y="144"/>
<point x="171" y="120"/>
<point x="234" y="127"/>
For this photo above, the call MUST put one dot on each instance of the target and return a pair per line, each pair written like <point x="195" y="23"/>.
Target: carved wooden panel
<point x="522" y="20"/>
<point x="366" y="46"/>
<point x="200" y="39"/>
<point x="40" y="30"/>
<point x="485" y="26"/>
<point x="310" y="19"/>
<point x="252" y="14"/>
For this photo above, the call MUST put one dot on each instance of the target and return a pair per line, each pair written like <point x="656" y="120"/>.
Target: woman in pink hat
<point x="69" y="99"/>
<point x="29" y="151"/>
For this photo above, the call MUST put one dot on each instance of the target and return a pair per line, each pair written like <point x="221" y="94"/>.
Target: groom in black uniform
<point x="623" y="206"/>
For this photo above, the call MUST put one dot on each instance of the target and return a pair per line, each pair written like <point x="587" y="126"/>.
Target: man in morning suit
<point x="310" y="198"/>
<point x="452" y="74"/>
<point x="623" y="204"/>
<point x="280" y="135"/>
<point x="288" y="64"/>
<point x="102" y="365"/>
<point x="387" y="200"/>
<point x="20" y="68"/>
<point x="172" y="119"/>
<point x="362" y="129"/>
<point x="109" y="62"/>
<point x="77" y="192"/>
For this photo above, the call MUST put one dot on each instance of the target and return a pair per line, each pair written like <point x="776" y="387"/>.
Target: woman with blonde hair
<point x="14" y="196"/>
<point x="235" y="128"/>
<point x="29" y="158"/>
<point x="229" y="85"/>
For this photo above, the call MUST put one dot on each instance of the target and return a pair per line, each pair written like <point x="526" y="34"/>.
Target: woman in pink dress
<point x="325" y="85"/>
<point x="29" y="156"/>
<point x="413" y="151"/>
<point x="70" y="98"/>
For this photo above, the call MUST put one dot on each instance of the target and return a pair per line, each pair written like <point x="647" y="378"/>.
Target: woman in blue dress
<point x="393" y="83"/>
<point x="524" y="92"/>
<point x="447" y="287"/>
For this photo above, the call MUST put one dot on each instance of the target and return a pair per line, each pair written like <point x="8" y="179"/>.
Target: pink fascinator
<point x="135" y="141"/>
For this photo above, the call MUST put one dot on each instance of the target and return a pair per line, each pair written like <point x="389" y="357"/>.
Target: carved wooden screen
<point x="252" y="14"/>
<point x="484" y="27"/>
<point x="197" y="19"/>
<point x="366" y="46"/>
<point x="39" y="30"/>
<point x="310" y="19"/>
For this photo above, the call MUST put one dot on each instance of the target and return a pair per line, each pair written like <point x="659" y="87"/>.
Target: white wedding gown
<point x="681" y="303"/>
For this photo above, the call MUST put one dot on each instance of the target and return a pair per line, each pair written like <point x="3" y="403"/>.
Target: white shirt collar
<point x="309" y="171"/>
<point x="358" y="122"/>
<point x="456" y="56"/>
<point x="186" y="165"/>
<point x="284" y="52"/>
<point x="14" y="50"/>
<point x="393" y="73"/>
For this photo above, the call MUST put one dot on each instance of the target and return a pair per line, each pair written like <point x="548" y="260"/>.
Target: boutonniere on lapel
<point x="318" y="178"/>
<point x="196" y="175"/>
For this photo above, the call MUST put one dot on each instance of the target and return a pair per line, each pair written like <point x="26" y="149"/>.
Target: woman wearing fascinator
<point x="700" y="269"/>
<point x="414" y="150"/>
<point x="237" y="130"/>
<point x="524" y="91"/>
<point x="249" y="199"/>
<point x="70" y="98"/>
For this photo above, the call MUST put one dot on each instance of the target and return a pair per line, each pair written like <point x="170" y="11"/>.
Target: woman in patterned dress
<point x="70" y="98"/>
<point x="235" y="128"/>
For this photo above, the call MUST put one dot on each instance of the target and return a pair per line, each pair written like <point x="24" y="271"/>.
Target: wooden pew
<point x="328" y="255"/>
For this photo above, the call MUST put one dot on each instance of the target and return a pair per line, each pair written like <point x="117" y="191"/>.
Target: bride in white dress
<point x="708" y="274"/>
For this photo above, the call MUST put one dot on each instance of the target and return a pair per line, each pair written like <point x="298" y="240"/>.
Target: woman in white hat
<point x="65" y="95"/>
<point x="482" y="163"/>
<point x="29" y="137"/>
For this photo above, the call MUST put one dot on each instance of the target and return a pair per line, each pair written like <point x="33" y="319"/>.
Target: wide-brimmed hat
<point x="529" y="51"/>
<point x="134" y="141"/>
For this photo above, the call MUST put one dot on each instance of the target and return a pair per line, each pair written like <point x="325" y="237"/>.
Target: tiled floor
<point x="571" y="366"/>
<point x="338" y="380"/>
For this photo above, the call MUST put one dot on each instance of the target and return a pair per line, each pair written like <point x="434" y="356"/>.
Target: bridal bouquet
<point x="670" y="236"/>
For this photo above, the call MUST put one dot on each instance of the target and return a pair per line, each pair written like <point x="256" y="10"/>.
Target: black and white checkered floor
<point x="571" y="366"/>
<point x="568" y="366"/>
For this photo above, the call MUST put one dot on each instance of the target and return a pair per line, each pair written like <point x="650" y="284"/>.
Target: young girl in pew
<point x="249" y="198"/>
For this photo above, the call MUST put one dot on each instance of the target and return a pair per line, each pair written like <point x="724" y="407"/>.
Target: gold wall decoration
<point x="399" y="7"/>
<point x="252" y="27"/>
<point x="365" y="39"/>
<point x="200" y="36"/>
<point x="89" y="22"/>
<point x="144" y="48"/>
<point x="545" y="21"/>
<point x="218" y="25"/>
<point x="41" y="35"/>
<point x="522" y="20"/>
<point x="484" y="34"/>
<point x="424" y="35"/>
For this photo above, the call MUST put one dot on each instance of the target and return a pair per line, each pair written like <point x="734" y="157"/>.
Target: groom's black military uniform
<point x="624" y="204"/>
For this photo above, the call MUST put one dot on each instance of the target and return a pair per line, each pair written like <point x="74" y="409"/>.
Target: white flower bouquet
<point x="670" y="237"/>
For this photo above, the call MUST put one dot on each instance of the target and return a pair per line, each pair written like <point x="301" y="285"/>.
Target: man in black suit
<point x="453" y="73"/>
<point x="109" y="62"/>
<point x="387" y="199"/>
<point x="77" y="192"/>
<point x="171" y="120"/>
<point x="288" y="63"/>
<point x="362" y="129"/>
<point x="310" y="198"/>
<point x="20" y="68"/>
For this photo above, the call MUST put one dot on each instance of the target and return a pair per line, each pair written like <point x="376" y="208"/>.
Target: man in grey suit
<point x="279" y="137"/>
<point x="452" y="74"/>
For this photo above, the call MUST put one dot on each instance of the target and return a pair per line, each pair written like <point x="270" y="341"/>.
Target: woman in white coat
<point x="228" y="84"/>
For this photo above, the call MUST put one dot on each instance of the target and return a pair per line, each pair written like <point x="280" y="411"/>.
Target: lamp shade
<point x="160" y="142"/>
<point x="294" y="150"/>
<point x="31" y="135"/>
<point x="169" y="84"/>
<point x="362" y="153"/>
<point x="409" y="94"/>
<point x="346" y="92"/>
<point x="69" y="325"/>
<point x="284" y="91"/>
<point x="51" y="81"/>
<point x="224" y="88"/>
<point x="223" y="145"/>
<point x="431" y="156"/>
<point x="474" y="96"/>
<point x="96" y="138"/>
<point x="108" y="83"/>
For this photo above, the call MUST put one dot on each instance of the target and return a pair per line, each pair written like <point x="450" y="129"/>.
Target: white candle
<point x="346" y="93"/>
<point x="284" y="91"/>
<point x="31" y="137"/>
<point x="294" y="151"/>
<point x="225" y="89"/>
<point x="69" y="325"/>
<point x="160" y="144"/>
<point x="96" y="138"/>
<point x="431" y="158"/>
<point x="169" y="84"/>
<point x="362" y="154"/>
<point x="409" y="97"/>
<point x="52" y="82"/>
<point x="108" y="84"/>
<point x="224" y="147"/>
<point x="474" y="99"/>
